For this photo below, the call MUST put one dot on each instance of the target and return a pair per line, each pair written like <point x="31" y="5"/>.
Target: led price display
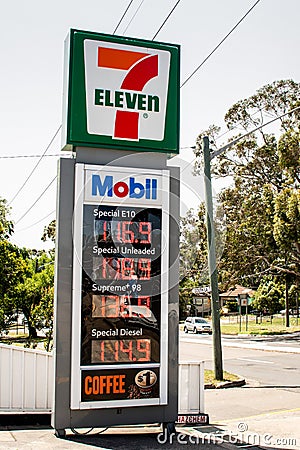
<point x="127" y="350"/>
<point x="125" y="232"/>
<point x="115" y="306"/>
<point x="121" y="282"/>
<point x="125" y="268"/>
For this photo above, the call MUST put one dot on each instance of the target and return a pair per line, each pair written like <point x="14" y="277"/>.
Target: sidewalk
<point x="129" y="438"/>
<point x="276" y="430"/>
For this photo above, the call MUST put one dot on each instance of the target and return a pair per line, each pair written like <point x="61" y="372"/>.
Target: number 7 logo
<point x="141" y="68"/>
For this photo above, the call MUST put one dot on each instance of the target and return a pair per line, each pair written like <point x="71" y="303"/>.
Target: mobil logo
<point x="107" y="186"/>
<point x="126" y="90"/>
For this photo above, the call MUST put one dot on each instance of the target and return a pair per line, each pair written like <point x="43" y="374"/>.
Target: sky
<point x="262" y="49"/>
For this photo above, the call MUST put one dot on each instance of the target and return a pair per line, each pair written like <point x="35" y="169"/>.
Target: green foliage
<point x="269" y="296"/>
<point x="6" y="225"/>
<point x="34" y="296"/>
<point x="26" y="283"/>
<point x="43" y="314"/>
<point x="49" y="232"/>
<point x="13" y="267"/>
<point x="193" y="257"/>
<point x="193" y="245"/>
<point x="185" y="296"/>
<point x="262" y="204"/>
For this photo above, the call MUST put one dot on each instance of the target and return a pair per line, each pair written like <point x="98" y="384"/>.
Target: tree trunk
<point x="32" y="333"/>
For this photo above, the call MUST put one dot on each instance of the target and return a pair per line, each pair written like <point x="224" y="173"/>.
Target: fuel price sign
<point x="119" y="331"/>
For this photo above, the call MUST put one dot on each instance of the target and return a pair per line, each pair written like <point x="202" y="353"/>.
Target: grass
<point x="209" y="377"/>
<point x="264" y="325"/>
<point x="22" y="340"/>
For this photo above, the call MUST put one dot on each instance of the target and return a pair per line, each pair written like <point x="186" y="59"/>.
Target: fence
<point x="26" y="382"/>
<point x="191" y="388"/>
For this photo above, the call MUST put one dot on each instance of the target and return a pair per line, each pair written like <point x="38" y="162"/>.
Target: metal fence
<point x="26" y="380"/>
<point x="191" y="388"/>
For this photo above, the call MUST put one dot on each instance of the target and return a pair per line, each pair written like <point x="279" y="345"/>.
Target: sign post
<point x="116" y="295"/>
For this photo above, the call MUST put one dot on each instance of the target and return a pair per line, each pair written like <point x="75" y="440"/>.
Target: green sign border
<point x="75" y="131"/>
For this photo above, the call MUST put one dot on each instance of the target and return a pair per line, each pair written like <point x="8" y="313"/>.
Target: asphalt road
<point x="254" y="358"/>
<point x="272" y="377"/>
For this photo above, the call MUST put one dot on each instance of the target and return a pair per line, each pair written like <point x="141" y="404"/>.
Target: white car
<point x="197" y="325"/>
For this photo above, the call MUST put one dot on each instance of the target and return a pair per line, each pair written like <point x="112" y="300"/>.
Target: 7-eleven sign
<point x="122" y="92"/>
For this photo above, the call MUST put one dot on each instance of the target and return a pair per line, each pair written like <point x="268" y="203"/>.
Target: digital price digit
<point x="111" y="306"/>
<point x="127" y="350"/>
<point x="126" y="232"/>
<point x="126" y="268"/>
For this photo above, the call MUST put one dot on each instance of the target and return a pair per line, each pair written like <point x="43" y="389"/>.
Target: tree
<point x="34" y="295"/>
<point x="6" y="225"/>
<point x="43" y="314"/>
<point x="193" y="245"/>
<point x="262" y="203"/>
<point x="13" y="270"/>
<point x="269" y="296"/>
<point x="49" y="232"/>
<point x="26" y="281"/>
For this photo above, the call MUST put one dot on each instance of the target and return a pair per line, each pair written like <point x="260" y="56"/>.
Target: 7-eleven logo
<point x="126" y="90"/>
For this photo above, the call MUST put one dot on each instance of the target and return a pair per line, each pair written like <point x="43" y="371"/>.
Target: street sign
<point x="120" y="93"/>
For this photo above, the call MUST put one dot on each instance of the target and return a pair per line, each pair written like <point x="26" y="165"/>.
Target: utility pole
<point x="212" y="263"/>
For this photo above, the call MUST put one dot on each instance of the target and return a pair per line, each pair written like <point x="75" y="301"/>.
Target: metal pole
<point x="287" y="306"/>
<point x="297" y="307"/>
<point x="212" y="263"/>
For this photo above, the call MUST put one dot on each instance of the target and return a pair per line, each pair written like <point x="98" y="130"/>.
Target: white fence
<point x="26" y="382"/>
<point x="191" y="388"/>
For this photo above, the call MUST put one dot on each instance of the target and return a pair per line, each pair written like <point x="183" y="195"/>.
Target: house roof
<point x="237" y="290"/>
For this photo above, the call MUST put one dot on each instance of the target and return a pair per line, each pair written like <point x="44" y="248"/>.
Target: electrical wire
<point x="39" y="221"/>
<point x="220" y="43"/>
<point x="29" y="209"/>
<point x="183" y="84"/>
<point x="120" y="21"/>
<point x="137" y="10"/>
<point x="47" y="148"/>
<point x="88" y="431"/>
<point x="27" y="179"/>
<point x="28" y="156"/>
<point x="165" y="21"/>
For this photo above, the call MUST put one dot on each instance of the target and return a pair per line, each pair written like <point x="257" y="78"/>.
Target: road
<point x="266" y="361"/>
<point x="269" y="402"/>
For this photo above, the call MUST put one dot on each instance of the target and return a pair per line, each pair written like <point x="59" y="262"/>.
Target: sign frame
<point x="75" y="110"/>
<point x="76" y="370"/>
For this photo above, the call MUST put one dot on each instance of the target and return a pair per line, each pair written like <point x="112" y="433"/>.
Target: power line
<point x="28" y="156"/>
<point x="47" y="148"/>
<point x="29" y="209"/>
<point x="185" y="82"/>
<point x="220" y="43"/>
<point x="122" y="17"/>
<point x="165" y="21"/>
<point x="39" y="221"/>
<point x="137" y="10"/>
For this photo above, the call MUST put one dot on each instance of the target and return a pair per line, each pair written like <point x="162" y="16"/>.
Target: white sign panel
<point x="126" y="90"/>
